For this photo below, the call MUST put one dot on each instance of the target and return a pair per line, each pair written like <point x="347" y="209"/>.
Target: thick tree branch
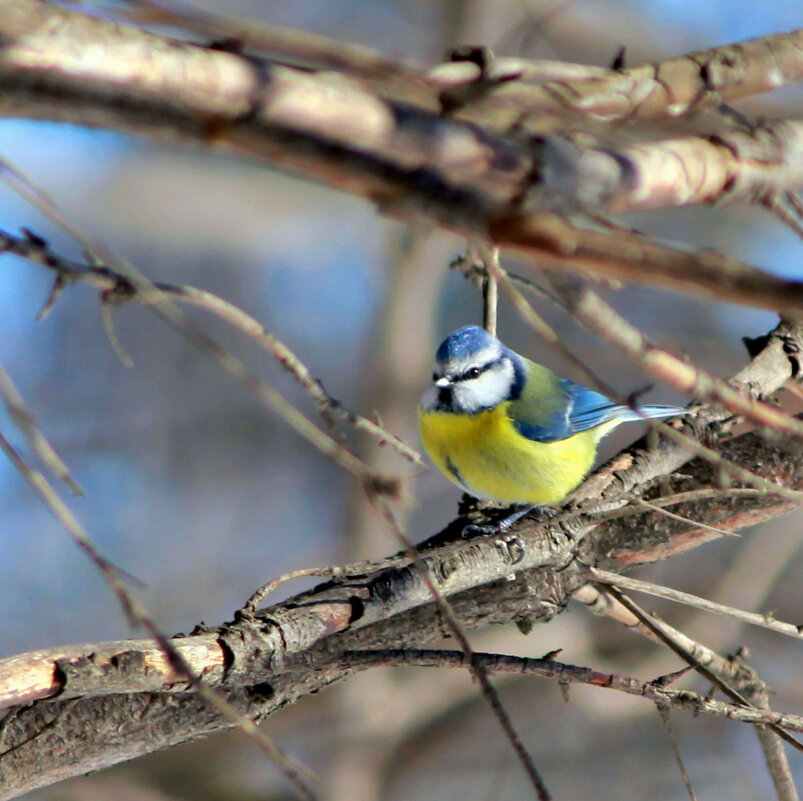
<point x="669" y="88"/>
<point x="407" y="158"/>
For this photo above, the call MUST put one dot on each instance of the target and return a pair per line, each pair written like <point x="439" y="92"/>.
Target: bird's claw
<point x="500" y="526"/>
<point x="476" y="530"/>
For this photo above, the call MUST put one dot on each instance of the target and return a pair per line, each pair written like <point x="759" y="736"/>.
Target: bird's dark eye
<point x="434" y="376"/>
<point x="474" y="372"/>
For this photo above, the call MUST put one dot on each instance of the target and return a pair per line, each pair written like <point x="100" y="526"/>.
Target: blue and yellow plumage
<point x="506" y="429"/>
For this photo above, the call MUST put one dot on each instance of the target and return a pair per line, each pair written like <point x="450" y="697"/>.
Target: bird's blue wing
<point x="568" y="408"/>
<point x="578" y="410"/>
<point x="590" y="409"/>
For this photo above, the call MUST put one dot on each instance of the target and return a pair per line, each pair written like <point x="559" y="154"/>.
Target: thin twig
<point x="627" y="508"/>
<point x="65" y="517"/>
<point x="628" y="583"/>
<point x="167" y="310"/>
<point x="112" y="285"/>
<point x="663" y="712"/>
<point x="655" y="508"/>
<point x="250" y="606"/>
<point x="490" y="291"/>
<point x="668" y="640"/>
<point x="658" y="691"/>
<point x="26" y="422"/>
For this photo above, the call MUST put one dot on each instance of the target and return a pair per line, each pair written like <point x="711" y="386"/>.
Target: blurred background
<point x="198" y="491"/>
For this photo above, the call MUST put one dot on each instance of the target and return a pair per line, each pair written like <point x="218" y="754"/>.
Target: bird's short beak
<point x="443" y="381"/>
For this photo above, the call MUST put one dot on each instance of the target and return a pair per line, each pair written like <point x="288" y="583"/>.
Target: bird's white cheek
<point x="485" y="392"/>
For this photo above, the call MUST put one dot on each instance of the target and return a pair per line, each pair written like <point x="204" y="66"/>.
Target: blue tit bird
<point x="506" y="429"/>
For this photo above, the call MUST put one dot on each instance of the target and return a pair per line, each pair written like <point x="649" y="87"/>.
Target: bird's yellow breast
<point x="486" y="456"/>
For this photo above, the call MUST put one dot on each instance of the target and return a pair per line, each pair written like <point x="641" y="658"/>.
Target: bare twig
<point x="166" y="309"/>
<point x="26" y="422"/>
<point x="490" y="293"/>
<point x="628" y="583"/>
<point x="40" y="485"/>
<point x="660" y="509"/>
<point x="115" y="288"/>
<point x="666" y="637"/>
<point x="656" y="691"/>
<point x="663" y="712"/>
<point x="250" y="606"/>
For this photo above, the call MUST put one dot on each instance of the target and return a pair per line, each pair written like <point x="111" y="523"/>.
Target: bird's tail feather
<point x="652" y="412"/>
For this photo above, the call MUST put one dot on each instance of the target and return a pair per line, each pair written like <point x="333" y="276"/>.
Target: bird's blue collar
<point x="519" y="373"/>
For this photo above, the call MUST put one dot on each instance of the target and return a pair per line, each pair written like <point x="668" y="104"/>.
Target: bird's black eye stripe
<point x="474" y="372"/>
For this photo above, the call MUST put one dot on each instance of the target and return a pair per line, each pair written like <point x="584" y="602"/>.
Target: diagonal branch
<point x="671" y="88"/>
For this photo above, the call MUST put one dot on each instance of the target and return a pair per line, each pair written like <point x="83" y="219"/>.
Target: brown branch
<point x="666" y="635"/>
<point x="671" y="88"/>
<point x="603" y="604"/>
<point x="732" y="670"/>
<point x="656" y="691"/>
<point x="737" y="166"/>
<point x="339" y="130"/>
<point x="558" y="244"/>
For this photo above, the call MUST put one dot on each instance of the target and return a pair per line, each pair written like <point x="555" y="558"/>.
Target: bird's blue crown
<point x="463" y="343"/>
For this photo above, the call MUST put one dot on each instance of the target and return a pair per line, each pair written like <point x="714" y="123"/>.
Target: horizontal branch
<point x="408" y="159"/>
<point x="655" y="691"/>
<point x="735" y="166"/>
